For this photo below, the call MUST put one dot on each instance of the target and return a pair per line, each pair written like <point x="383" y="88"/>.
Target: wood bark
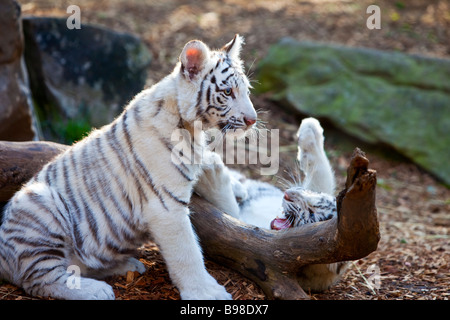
<point x="272" y="259"/>
<point x="20" y="161"/>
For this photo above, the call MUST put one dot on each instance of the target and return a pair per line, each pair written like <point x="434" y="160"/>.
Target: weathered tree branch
<point x="272" y="259"/>
<point x="20" y="161"/>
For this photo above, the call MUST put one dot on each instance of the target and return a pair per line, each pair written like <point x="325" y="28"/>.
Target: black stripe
<point x="141" y="167"/>
<point x="169" y="146"/>
<point x="182" y="172"/>
<point x="72" y="214"/>
<point x="184" y="203"/>
<point x="35" y="273"/>
<point x="93" y="227"/>
<point x="208" y="95"/>
<point x="126" y="165"/>
<point x="137" y="113"/>
<point x="39" y="201"/>
<point x="7" y="244"/>
<point x="182" y="71"/>
<point x="5" y="260"/>
<point x="30" y="221"/>
<point x="159" y="106"/>
<point x="229" y="76"/>
<point x="119" y="250"/>
<point x="199" y="96"/>
<point x="215" y="107"/>
<point x="35" y="242"/>
<point x="225" y="113"/>
<point x="50" y="167"/>
<point x="41" y="251"/>
<point x="125" y="215"/>
<point x="61" y="213"/>
<point x="117" y="179"/>
<point x="94" y="176"/>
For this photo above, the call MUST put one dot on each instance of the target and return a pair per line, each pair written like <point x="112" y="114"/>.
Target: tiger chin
<point x="91" y="207"/>
<point x="308" y="200"/>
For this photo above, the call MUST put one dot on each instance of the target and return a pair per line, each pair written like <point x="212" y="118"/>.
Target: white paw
<point x="205" y="290"/>
<point x="215" y="185"/>
<point x="213" y="175"/>
<point x="134" y="264"/>
<point x="213" y="180"/>
<point x="310" y="136"/>
<point x="131" y="264"/>
<point x="239" y="190"/>
<point x="96" y="290"/>
<point x="86" y="289"/>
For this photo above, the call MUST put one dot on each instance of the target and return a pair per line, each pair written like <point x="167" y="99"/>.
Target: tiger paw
<point x="310" y="136"/>
<point x="239" y="190"/>
<point x="208" y="289"/>
<point x="131" y="264"/>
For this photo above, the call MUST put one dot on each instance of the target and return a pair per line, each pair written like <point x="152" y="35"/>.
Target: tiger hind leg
<point x="53" y="278"/>
<point x="319" y="175"/>
<point x="36" y="244"/>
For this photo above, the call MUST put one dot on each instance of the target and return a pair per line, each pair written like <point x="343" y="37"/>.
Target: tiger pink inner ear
<point x="194" y="57"/>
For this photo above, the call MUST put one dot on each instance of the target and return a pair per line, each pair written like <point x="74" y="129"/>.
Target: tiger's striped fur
<point x="93" y="205"/>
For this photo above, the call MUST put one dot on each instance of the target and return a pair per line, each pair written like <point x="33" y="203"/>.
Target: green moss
<point x="58" y="128"/>
<point x="390" y="98"/>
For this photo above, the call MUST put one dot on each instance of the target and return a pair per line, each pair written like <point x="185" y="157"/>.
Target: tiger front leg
<point x="173" y="233"/>
<point x="217" y="185"/>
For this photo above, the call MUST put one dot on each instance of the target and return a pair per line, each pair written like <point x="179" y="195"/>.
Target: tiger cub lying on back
<point x="310" y="201"/>
<point x="96" y="203"/>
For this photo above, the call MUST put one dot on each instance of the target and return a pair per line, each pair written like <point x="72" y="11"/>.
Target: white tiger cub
<point x="96" y="203"/>
<point x="305" y="202"/>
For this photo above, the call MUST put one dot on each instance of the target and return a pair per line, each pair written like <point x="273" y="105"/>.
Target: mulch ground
<point x="412" y="259"/>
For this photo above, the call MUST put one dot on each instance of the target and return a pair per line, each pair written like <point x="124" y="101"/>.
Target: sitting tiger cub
<point x="95" y="204"/>
<point x="259" y="203"/>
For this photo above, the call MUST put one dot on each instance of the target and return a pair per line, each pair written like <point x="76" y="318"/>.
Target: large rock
<point x="86" y="75"/>
<point x="380" y="97"/>
<point x="16" y="110"/>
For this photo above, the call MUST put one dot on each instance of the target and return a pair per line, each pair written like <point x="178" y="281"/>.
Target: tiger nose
<point x="249" y="121"/>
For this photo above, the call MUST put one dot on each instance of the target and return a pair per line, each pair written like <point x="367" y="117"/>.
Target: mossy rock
<point x="380" y="97"/>
<point x="83" y="76"/>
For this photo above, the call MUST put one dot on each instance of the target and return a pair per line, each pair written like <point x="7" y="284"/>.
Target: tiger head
<point x="302" y="206"/>
<point x="215" y="88"/>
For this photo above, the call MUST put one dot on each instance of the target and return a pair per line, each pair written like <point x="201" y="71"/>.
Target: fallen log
<point x="20" y="161"/>
<point x="272" y="259"/>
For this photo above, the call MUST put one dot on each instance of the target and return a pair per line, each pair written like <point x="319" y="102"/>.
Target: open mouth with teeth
<point x="282" y="223"/>
<point x="302" y="206"/>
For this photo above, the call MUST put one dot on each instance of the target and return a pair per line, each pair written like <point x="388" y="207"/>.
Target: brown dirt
<point x="413" y="254"/>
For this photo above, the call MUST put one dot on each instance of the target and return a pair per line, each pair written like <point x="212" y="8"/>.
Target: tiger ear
<point x="193" y="58"/>
<point x="233" y="48"/>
